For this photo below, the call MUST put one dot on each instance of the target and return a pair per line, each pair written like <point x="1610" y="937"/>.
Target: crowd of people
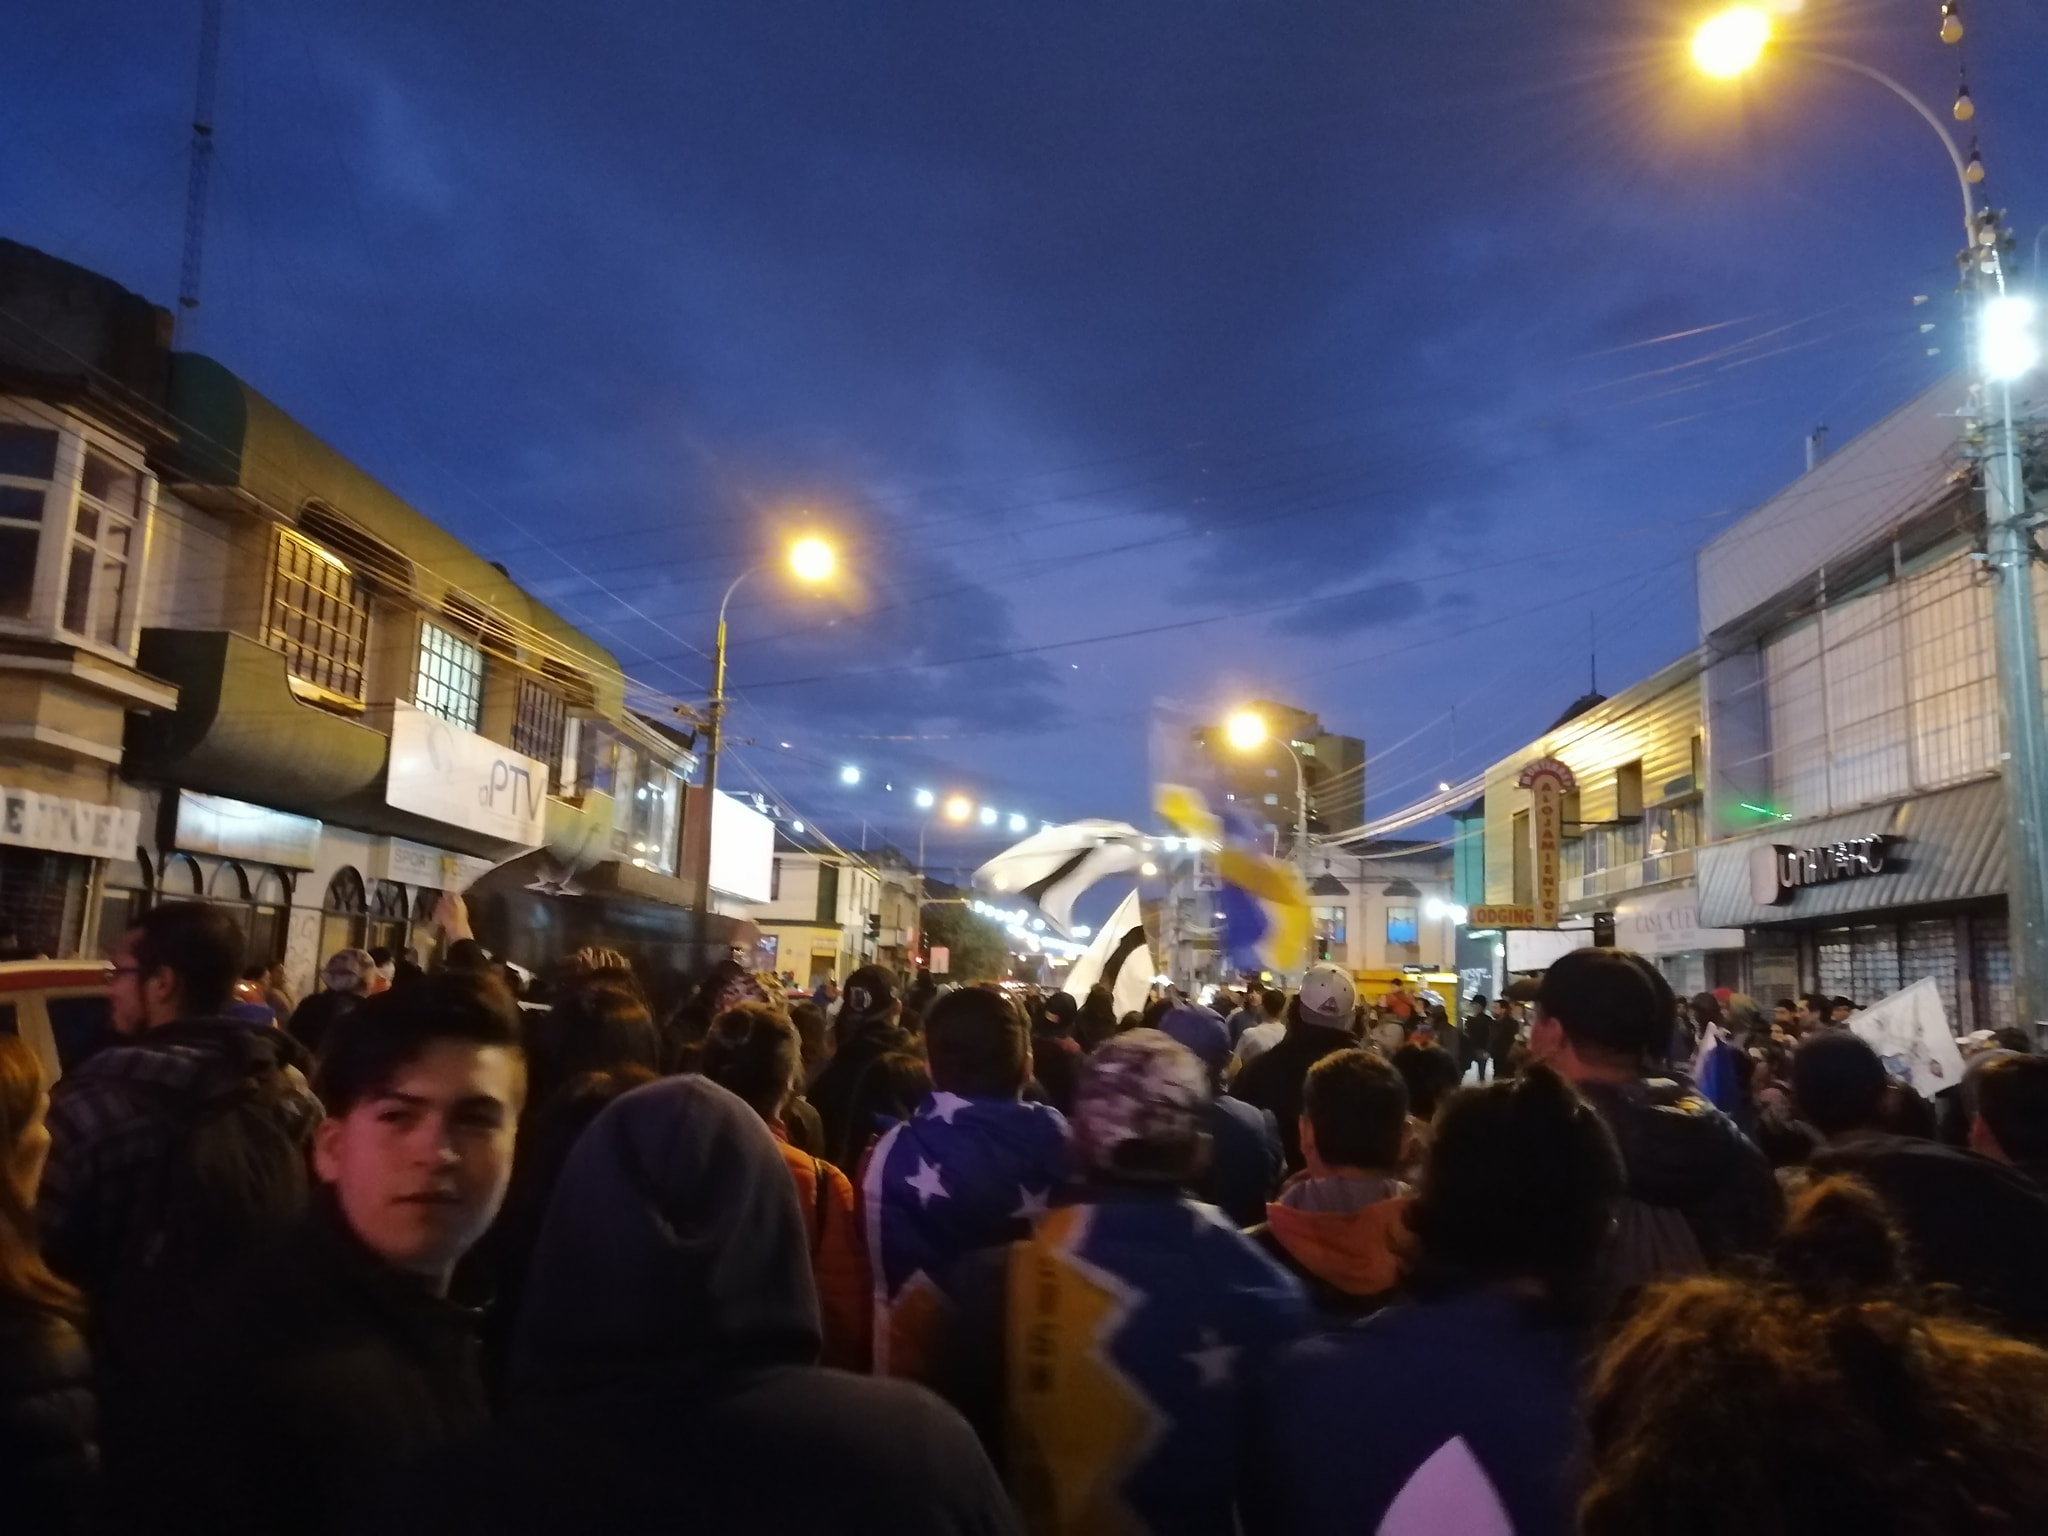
<point x="422" y="1253"/>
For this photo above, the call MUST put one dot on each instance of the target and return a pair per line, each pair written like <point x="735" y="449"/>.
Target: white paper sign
<point x="1910" y="1031"/>
<point x="447" y="774"/>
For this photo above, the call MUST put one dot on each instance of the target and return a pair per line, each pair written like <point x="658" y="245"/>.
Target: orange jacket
<point x="839" y="1258"/>
<point x="1354" y="1252"/>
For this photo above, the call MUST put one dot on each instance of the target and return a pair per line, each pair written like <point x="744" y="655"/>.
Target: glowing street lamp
<point x="925" y="799"/>
<point x="1245" y="730"/>
<point x="850" y="774"/>
<point x="2008" y="337"/>
<point x="810" y="560"/>
<point x="1729" y="44"/>
<point x="959" y="808"/>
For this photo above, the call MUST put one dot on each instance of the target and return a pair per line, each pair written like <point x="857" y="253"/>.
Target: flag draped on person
<point x="959" y="1175"/>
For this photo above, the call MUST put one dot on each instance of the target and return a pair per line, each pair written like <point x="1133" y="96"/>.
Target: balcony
<point x="1601" y="885"/>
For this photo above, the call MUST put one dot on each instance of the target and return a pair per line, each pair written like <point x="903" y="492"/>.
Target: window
<point x="775" y="879"/>
<point x="451" y="678"/>
<point x="319" y="617"/>
<point x="93" y="504"/>
<point x="28" y="463"/>
<point x="1628" y="791"/>
<point x="645" y="821"/>
<point x="103" y="540"/>
<point x="1401" y="925"/>
<point x="540" y="723"/>
<point x="1272" y="799"/>
<point x="1329" y="923"/>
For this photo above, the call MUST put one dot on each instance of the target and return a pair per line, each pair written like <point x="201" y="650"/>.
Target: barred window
<point x="451" y="677"/>
<point x="539" y="725"/>
<point x="318" y="616"/>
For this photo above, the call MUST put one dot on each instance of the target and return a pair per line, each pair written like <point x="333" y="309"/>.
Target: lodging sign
<point x="1548" y="782"/>
<point x="1501" y="916"/>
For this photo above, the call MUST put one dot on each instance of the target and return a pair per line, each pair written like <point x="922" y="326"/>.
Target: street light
<point x="959" y="808"/>
<point x="2008" y="339"/>
<point x="924" y="799"/>
<point x="849" y="774"/>
<point x="810" y="560"/>
<point x="1245" y="729"/>
<point x="2007" y="347"/>
<point x="1728" y="44"/>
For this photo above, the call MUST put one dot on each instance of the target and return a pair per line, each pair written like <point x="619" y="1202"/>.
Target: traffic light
<point x="874" y="925"/>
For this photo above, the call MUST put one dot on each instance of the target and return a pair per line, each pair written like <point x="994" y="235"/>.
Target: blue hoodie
<point x="1347" y="1418"/>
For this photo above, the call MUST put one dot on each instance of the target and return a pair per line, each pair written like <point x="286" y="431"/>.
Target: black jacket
<point x="1682" y="1156"/>
<point x="1245" y="1160"/>
<point x="853" y="1089"/>
<point x="1975" y="1224"/>
<point x="49" y="1431"/>
<point x="1272" y="1081"/>
<point x="662" y="1376"/>
<point x="316" y="1375"/>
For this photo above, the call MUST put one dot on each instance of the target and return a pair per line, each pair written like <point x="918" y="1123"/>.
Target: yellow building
<point x="1631" y="824"/>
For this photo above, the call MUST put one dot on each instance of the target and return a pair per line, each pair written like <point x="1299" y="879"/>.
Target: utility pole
<point x="201" y="170"/>
<point x="2001" y="354"/>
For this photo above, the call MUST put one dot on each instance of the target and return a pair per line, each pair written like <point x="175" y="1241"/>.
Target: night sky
<point x="1376" y="357"/>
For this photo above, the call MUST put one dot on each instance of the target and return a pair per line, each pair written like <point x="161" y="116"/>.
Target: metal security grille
<point x="1860" y="963"/>
<point x="1928" y="948"/>
<point x="1991" y="970"/>
<point x="538" y="725"/>
<point x="451" y="677"/>
<point x="317" y="616"/>
<point x="42" y="898"/>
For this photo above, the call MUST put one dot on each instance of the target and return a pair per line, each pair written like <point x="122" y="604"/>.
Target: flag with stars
<point x="1136" y="1321"/>
<point x="959" y="1175"/>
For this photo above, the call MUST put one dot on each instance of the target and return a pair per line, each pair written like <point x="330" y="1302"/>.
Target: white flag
<point x="1910" y="1031"/>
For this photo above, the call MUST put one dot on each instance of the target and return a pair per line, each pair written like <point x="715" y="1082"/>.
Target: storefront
<point x="1866" y="902"/>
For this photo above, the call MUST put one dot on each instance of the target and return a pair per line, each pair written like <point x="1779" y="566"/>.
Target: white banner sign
<point x="1668" y="923"/>
<point x="447" y="774"/>
<point x="59" y="824"/>
<point x="1910" y="1031"/>
<point x="437" y="869"/>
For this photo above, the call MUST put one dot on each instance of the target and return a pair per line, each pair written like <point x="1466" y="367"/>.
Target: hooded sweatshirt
<point x="1340" y="1234"/>
<point x="661" y="1373"/>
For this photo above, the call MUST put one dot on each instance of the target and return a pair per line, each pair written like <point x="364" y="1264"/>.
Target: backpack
<point x="235" y="1176"/>
<point x="1651" y="1242"/>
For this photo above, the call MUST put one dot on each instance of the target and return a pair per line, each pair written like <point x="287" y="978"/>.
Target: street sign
<point x="1501" y="917"/>
<point x="942" y="960"/>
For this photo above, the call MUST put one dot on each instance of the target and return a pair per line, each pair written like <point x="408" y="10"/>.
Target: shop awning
<point x="1948" y="847"/>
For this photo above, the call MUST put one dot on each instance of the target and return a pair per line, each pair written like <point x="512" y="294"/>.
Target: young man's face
<point x="135" y="1001"/>
<point x="420" y="1168"/>
<point x="1786" y="1015"/>
<point x="1839" y="1013"/>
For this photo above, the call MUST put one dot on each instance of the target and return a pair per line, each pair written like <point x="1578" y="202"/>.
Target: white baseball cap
<point x="1327" y="996"/>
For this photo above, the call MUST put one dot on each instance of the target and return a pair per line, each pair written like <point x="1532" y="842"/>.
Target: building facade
<point x="1631" y="830"/>
<point x="823" y="918"/>
<point x="1853" y="729"/>
<point x="235" y="669"/>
